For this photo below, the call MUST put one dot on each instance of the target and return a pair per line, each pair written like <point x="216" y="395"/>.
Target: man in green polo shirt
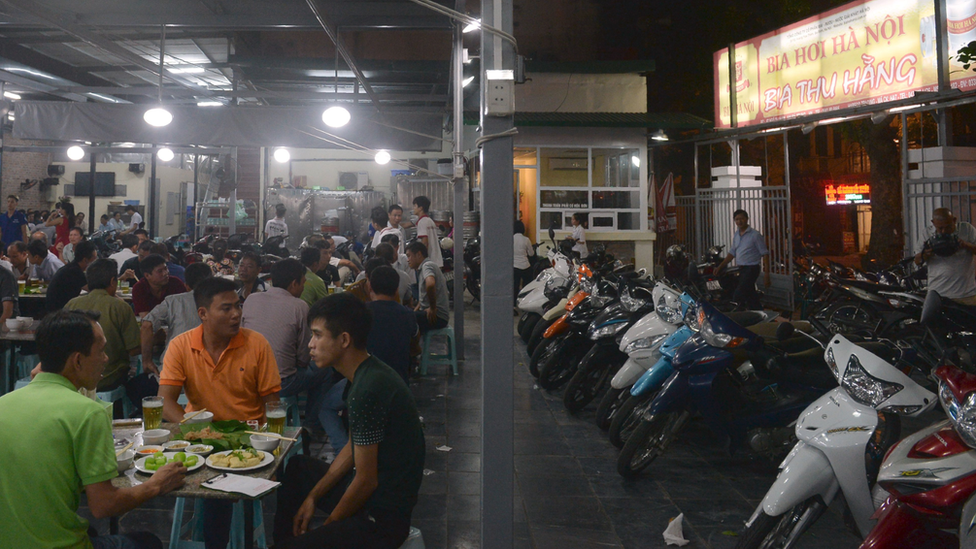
<point x="371" y="505"/>
<point x="56" y="441"/>
<point x="118" y="322"/>
<point x="315" y="288"/>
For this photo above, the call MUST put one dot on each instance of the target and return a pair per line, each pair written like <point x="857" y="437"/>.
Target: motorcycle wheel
<point x="541" y="354"/>
<point x="595" y="370"/>
<point x="561" y="364"/>
<point x="628" y="417"/>
<point x="610" y="404"/>
<point x="525" y="331"/>
<point x="650" y="439"/>
<point x="473" y="285"/>
<point x="538" y="334"/>
<point x="768" y="532"/>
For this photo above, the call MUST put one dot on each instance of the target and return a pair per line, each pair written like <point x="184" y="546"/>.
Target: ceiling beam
<point x="27" y="37"/>
<point x="318" y="8"/>
<point x="35" y="86"/>
<point x="47" y="64"/>
<point x="151" y="91"/>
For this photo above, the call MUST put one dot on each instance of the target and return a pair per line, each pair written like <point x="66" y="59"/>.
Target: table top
<point x="192" y="487"/>
<point x="22" y="335"/>
<point x="124" y="297"/>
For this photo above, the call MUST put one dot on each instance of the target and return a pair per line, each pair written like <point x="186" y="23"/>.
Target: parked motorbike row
<point x="827" y="394"/>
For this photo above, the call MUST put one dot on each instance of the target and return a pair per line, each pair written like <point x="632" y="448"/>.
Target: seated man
<point x="132" y="268"/>
<point x="315" y="287"/>
<point x="20" y="265"/>
<point x="68" y="282"/>
<point x="130" y="243"/>
<point x="401" y="259"/>
<point x="387" y="251"/>
<point x="155" y="285"/>
<point x="371" y="505"/>
<point x="360" y="288"/>
<point x="178" y="313"/>
<point x="248" y="271"/>
<point x="281" y="316"/>
<point x="9" y="296"/>
<point x="40" y="490"/>
<point x="228" y="370"/>
<point x="45" y="263"/>
<point x="433" y="310"/>
<point x="118" y="324"/>
<point x="394" y="326"/>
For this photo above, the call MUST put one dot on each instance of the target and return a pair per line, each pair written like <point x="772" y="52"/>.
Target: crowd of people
<point x="228" y="340"/>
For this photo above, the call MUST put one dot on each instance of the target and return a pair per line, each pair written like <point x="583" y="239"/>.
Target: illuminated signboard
<point x="839" y="195"/>
<point x="862" y="53"/>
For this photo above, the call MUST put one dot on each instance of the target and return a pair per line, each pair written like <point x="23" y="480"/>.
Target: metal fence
<point x="685" y="232"/>
<point x="922" y="196"/>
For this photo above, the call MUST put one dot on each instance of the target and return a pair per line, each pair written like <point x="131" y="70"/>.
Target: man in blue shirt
<point x="749" y="250"/>
<point x="13" y="224"/>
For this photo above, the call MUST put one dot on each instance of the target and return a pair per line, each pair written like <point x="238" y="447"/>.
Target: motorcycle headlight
<point x="587" y="285"/>
<point x="606" y="330"/>
<point x="865" y="388"/>
<point x="718" y="339"/>
<point x="652" y="342"/>
<point x="670" y="315"/>
<point x="692" y="319"/>
<point x="631" y="303"/>
<point x="961" y="415"/>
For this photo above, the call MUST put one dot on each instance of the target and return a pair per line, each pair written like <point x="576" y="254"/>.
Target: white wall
<point x="557" y="92"/>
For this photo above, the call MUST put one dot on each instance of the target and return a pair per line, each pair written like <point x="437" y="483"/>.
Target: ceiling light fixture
<point x="336" y="117"/>
<point x="659" y="136"/>
<point x="209" y="104"/>
<point x="382" y="158"/>
<point x="11" y="95"/>
<point x="466" y="81"/>
<point x="282" y="155"/>
<point x="635" y="160"/>
<point x="472" y="26"/>
<point x="159" y="116"/>
<point x="165" y="154"/>
<point x="75" y="152"/>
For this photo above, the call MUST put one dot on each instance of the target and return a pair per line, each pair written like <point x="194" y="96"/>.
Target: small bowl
<point x="124" y="460"/>
<point x="261" y="442"/>
<point x="202" y="450"/>
<point x="155" y="436"/>
<point x="177" y="446"/>
<point x="202" y="417"/>
<point x="148" y="450"/>
<point x="14" y="325"/>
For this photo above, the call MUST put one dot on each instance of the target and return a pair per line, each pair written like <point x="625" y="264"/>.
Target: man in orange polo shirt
<point x="229" y="370"/>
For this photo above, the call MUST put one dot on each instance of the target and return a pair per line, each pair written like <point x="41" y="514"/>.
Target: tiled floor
<point x="567" y="493"/>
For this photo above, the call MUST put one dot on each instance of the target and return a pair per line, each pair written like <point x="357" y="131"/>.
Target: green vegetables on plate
<point x="157" y="460"/>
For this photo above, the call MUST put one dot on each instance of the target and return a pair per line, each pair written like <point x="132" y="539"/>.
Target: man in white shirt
<point x="427" y="230"/>
<point x="136" y="220"/>
<point x="129" y="244"/>
<point x="277" y="226"/>
<point x="523" y="251"/>
<point x="381" y="222"/>
<point x="396" y="217"/>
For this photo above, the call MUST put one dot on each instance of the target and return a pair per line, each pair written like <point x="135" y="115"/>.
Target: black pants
<point x="424" y="325"/>
<point x="375" y="529"/>
<point x="522" y="277"/>
<point x="745" y="293"/>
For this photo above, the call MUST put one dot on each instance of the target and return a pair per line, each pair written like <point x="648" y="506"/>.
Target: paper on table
<point x="239" y="484"/>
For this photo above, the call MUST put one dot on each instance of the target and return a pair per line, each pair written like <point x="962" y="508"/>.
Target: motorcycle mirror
<point x="785" y="331"/>
<point x="931" y="307"/>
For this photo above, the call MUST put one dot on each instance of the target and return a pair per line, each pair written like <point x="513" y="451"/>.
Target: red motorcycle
<point x="928" y="478"/>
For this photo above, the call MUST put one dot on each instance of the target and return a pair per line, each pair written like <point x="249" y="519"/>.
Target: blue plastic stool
<point x="428" y="358"/>
<point x="117" y="393"/>
<point x="195" y="526"/>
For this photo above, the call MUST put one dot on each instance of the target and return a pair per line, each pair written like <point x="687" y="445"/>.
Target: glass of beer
<point x="152" y="412"/>
<point x="276" y="413"/>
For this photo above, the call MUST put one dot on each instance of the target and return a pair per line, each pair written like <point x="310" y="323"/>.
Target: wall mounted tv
<point x="104" y="184"/>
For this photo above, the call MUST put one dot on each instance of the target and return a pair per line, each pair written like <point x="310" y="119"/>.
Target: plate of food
<point x="177" y="446"/>
<point x="150" y="464"/>
<point x="239" y="460"/>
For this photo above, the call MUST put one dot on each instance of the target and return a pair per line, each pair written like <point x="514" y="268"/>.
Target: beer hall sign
<point x="841" y="194"/>
<point x="863" y="53"/>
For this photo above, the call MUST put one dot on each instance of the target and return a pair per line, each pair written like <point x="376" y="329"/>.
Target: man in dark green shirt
<point x="371" y="506"/>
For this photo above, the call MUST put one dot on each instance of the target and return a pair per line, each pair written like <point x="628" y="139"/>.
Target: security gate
<point x="769" y="213"/>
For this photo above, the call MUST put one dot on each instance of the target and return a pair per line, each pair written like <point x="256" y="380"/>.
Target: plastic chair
<point x="196" y="525"/>
<point x="117" y="394"/>
<point x="428" y="358"/>
<point x="415" y="540"/>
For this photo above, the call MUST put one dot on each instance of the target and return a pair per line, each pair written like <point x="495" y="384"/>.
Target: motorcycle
<point x="842" y="437"/>
<point x="748" y="404"/>
<point x="472" y="266"/>
<point x="530" y="299"/>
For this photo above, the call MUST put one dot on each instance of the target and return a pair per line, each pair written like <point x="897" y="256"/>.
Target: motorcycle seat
<point x="747" y="318"/>
<point x="869" y="286"/>
<point x="804" y="368"/>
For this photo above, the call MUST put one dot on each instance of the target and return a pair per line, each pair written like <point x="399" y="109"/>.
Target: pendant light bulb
<point x="336" y="117"/>
<point x="75" y="152"/>
<point x="165" y="154"/>
<point x="282" y="155"/>
<point x="158" y="117"/>
<point x="382" y="158"/>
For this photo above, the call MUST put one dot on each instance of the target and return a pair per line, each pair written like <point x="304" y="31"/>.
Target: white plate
<point x="140" y="464"/>
<point x="268" y="458"/>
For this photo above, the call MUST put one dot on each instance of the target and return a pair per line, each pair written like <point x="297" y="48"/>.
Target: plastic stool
<point x="415" y="540"/>
<point x="294" y="414"/>
<point x="26" y="363"/>
<point x="196" y="525"/>
<point x="428" y="358"/>
<point x="117" y="393"/>
<point x="22" y="382"/>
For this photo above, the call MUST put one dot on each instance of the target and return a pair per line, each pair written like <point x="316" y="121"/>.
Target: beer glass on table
<point x="152" y="412"/>
<point x="276" y="412"/>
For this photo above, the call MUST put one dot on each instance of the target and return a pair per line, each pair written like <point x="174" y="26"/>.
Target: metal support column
<point x="150" y="219"/>
<point x="905" y="217"/>
<point x="232" y="211"/>
<point x="497" y="360"/>
<point x="457" y="84"/>
<point x="91" y="195"/>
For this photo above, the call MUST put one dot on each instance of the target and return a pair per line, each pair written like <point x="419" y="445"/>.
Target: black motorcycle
<point x="472" y="266"/>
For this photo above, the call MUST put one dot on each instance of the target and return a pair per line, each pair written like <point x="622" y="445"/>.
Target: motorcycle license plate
<point x="713" y="285"/>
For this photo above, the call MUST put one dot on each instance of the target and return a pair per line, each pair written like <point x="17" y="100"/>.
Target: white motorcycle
<point x="843" y="437"/>
<point x="532" y="300"/>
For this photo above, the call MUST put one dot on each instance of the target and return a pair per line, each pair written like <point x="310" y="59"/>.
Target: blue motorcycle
<point x="751" y="402"/>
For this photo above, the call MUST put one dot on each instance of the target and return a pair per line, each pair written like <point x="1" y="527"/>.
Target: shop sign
<point x="863" y="53"/>
<point x="839" y="195"/>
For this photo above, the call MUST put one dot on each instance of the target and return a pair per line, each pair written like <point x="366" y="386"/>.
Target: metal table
<point x="192" y="488"/>
<point x="15" y="339"/>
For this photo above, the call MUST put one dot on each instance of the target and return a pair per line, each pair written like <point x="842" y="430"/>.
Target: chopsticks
<point x="272" y="435"/>
<point x="193" y="415"/>
<point x="127" y="446"/>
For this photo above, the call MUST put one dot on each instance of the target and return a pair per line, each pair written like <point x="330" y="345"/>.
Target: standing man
<point x="68" y="282"/>
<point x="228" y="370"/>
<point x="371" y="488"/>
<point x="433" y="311"/>
<point x="45" y="263"/>
<point x="13" y="224"/>
<point x="135" y="222"/>
<point x="40" y="490"/>
<point x="117" y="322"/>
<point x="949" y="254"/>
<point x="748" y="249"/>
<point x="427" y="230"/>
<point x="396" y="217"/>
<point x="277" y="226"/>
<point x="155" y="285"/>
